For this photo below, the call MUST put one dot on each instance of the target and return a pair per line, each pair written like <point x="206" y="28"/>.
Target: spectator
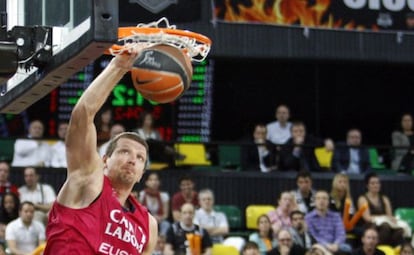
<point x="402" y="140"/>
<point x="157" y="202"/>
<point x="9" y="209"/>
<point x="40" y="194"/>
<point x="5" y="185"/>
<point x="298" y="152"/>
<point x="187" y="194"/>
<point x="116" y="129"/>
<point x="160" y="151"/>
<point x="58" y="150"/>
<point x="179" y="235"/>
<point x="32" y="151"/>
<point x="207" y="218"/>
<point x="263" y="237"/>
<point x="261" y="154"/>
<point x="285" y="245"/>
<point x="280" y="217"/>
<point x="24" y="234"/>
<point x="250" y="248"/>
<point x="351" y="157"/>
<point x="304" y="194"/>
<point x="278" y="132"/>
<point x="160" y="246"/>
<point x="379" y="212"/>
<point x="340" y="192"/>
<point x="298" y="230"/>
<point x="103" y="122"/>
<point x="406" y="249"/>
<point x="369" y="243"/>
<point x="326" y="226"/>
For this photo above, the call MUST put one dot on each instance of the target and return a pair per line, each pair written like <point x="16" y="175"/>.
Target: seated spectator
<point x="115" y="130"/>
<point x="160" y="246"/>
<point x="304" y="194"/>
<point x="180" y="234"/>
<point x="250" y="248"/>
<point x="103" y="122"/>
<point x="350" y="157"/>
<point x="285" y="245"/>
<point x="24" y="234"/>
<point x="402" y="139"/>
<point x="58" y="150"/>
<point x="340" y="192"/>
<point x="160" y="151"/>
<point x="5" y="185"/>
<point x="406" y="249"/>
<point x="187" y="194"/>
<point x="325" y="226"/>
<point x="379" y="212"/>
<point x="280" y="217"/>
<point x="298" y="152"/>
<point x="278" y="132"/>
<point x="32" y="151"/>
<point x="263" y="237"/>
<point x="207" y="218"/>
<point x="157" y="202"/>
<point x="261" y="154"/>
<point x="9" y="209"/>
<point x="369" y="242"/>
<point x="40" y="194"/>
<point x="299" y="230"/>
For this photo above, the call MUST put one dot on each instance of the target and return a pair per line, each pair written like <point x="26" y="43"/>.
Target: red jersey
<point x="104" y="227"/>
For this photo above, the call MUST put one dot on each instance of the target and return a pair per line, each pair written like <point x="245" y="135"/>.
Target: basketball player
<point x="94" y="212"/>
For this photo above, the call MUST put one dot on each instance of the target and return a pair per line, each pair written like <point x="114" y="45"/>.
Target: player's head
<point x="125" y="158"/>
<point x="128" y="135"/>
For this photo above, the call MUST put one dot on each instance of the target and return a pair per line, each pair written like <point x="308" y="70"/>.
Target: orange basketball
<point x="162" y="73"/>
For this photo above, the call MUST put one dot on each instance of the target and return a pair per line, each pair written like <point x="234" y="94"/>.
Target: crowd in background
<point x="305" y="220"/>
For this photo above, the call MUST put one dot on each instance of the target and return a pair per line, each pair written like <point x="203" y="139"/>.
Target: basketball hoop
<point x="196" y="46"/>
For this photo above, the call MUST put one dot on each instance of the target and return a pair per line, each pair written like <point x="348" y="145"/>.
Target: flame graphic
<point x="285" y="12"/>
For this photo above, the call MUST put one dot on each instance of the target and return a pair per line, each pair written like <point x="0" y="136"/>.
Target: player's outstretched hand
<point x="125" y="61"/>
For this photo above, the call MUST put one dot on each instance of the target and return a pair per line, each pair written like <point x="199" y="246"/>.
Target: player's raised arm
<point x="81" y="138"/>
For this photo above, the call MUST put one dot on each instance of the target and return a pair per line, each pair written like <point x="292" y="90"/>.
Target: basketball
<point x="162" y="73"/>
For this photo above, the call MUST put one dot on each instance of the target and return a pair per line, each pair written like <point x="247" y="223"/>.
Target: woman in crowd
<point x="9" y="209"/>
<point x="379" y="212"/>
<point x="340" y="192"/>
<point x="156" y="201"/>
<point x="402" y="137"/>
<point x="264" y="235"/>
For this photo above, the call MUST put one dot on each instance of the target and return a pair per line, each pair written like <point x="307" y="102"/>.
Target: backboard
<point x="73" y="32"/>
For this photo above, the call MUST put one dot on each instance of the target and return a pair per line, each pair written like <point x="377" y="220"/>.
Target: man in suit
<point x="351" y="157"/>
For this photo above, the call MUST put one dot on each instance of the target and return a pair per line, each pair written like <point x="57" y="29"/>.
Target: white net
<point x="195" y="49"/>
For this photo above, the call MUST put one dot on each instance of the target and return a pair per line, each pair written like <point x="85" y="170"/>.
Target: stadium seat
<point x="229" y="156"/>
<point x="374" y="159"/>
<point x="195" y="154"/>
<point x="324" y="157"/>
<point x="254" y="211"/>
<point x="387" y="249"/>
<point x="6" y="149"/>
<point x="233" y="214"/>
<point x="406" y="214"/>
<point x="221" y="249"/>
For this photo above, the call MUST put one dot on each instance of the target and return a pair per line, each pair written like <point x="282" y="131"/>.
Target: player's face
<point x="127" y="162"/>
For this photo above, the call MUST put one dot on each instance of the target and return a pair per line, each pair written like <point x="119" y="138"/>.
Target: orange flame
<point x="286" y="12"/>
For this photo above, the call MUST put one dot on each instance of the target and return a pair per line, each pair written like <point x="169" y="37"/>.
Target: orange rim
<point x="128" y="31"/>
